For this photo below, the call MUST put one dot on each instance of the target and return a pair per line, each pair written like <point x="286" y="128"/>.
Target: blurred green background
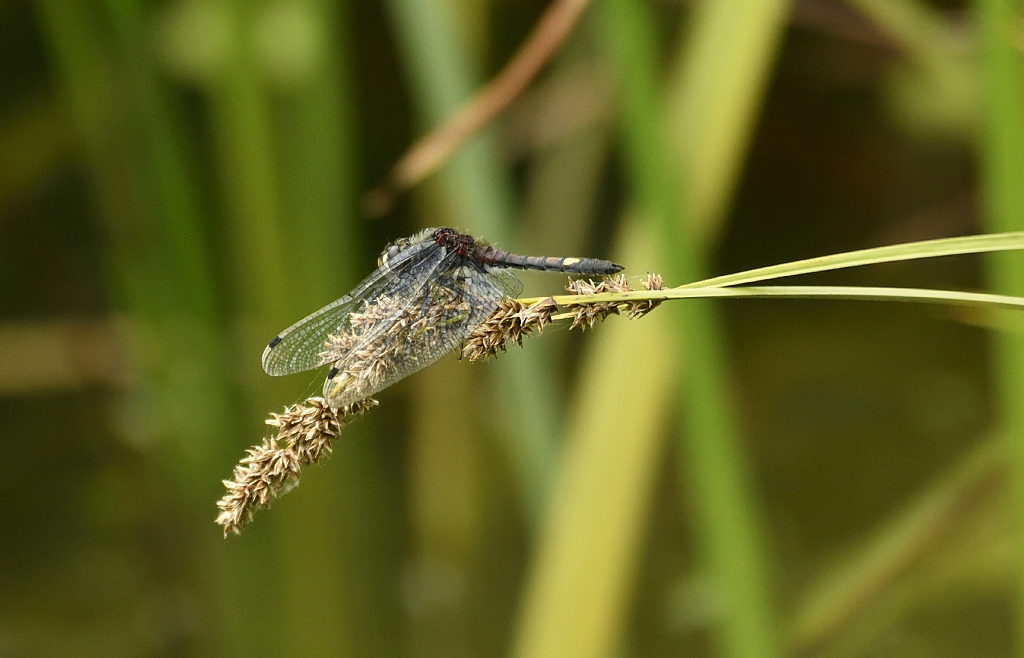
<point x="181" y="179"/>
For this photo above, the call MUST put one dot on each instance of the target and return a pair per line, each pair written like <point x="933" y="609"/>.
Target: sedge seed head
<point x="509" y="323"/>
<point x="304" y="436"/>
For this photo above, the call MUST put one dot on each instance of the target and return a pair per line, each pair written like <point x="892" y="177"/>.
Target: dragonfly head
<point x="398" y="246"/>
<point x="388" y="254"/>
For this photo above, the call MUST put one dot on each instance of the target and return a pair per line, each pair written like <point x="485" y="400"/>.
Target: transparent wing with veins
<point x="392" y="339"/>
<point x="298" y="348"/>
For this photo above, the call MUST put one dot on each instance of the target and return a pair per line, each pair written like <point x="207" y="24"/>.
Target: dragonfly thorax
<point x="456" y="242"/>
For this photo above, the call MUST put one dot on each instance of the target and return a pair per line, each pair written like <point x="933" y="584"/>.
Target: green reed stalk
<point x="158" y="259"/>
<point x="856" y="591"/>
<point x="714" y="92"/>
<point x="577" y="594"/>
<point x="181" y="252"/>
<point x="337" y="521"/>
<point x="477" y="197"/>
<point x="710" y="449"/>
<point x="862" y="293"/>
<point x="1002" y="164"/>
<point x="450" y="500"/>
<point x="586" y="561"/>
<point x="261" y="289"/>
<point x="971" y="244"/>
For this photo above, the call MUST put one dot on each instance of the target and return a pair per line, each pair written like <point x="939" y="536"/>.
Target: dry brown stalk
<point x="304" y="436"/>
<point x="427" y="154"/>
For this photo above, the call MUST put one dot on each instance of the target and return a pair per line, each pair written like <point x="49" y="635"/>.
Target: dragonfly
<point x="426" y="296"/>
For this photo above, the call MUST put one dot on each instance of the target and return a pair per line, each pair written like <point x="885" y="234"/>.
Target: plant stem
<point x="710" y="447"/>
<point x="864" y="293"/>
<point x="1002" y="166"/>
<point x="478" y="196"/>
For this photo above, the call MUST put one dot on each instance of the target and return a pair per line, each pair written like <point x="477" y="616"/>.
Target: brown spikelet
<point x="304" y="436"/>
<point x="585" y="316"/>
<point x="509" y="323"/>
<point x="639" y="309"/>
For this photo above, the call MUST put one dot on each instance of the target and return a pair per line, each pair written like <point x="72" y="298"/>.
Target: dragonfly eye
<point x="388" y="254"/>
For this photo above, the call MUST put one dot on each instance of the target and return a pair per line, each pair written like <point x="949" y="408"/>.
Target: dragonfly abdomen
<point x="496" y="257"/>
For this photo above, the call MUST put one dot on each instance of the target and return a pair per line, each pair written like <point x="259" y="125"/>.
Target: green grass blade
<point x="337" y="518"/>
<point x="974" y="244"/>
<point x="158" y="271"/>
<point x="710" y="448"/>
<point x="862" y="293"/>
<point x="242" y="131"/>
<point x="477" y="197"/>
<point x="579" y="581"/>
<point x="840" y="596"/>
<point x="179" y="226"/>
<point x="574" y="609"/>
<point x="1002" y="167"/>
<point x="241" y="118"/>
<point x="714" y="98"/>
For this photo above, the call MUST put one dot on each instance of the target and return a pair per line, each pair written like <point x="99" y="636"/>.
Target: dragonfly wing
<point x="429" y="324"/>
<point x="299" y="347"/>
<point x="508" y="281"/>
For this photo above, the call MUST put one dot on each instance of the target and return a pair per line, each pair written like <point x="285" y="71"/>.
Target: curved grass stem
<point x="866" y="293"/>
<point x="971" y="244"/>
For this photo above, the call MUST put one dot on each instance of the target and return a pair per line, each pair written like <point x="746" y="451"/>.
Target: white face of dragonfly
<point x="388" y="254"/>
<point x="392" y="251"/>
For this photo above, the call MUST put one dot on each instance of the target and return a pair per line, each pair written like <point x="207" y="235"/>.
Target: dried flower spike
<point x="587" y="315"/>
<point x="304" y="436"/>
<point x="509" y="323"/>
<point x="639" y="309"/>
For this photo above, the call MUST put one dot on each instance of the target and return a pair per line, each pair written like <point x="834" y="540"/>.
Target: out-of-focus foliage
<point x="180" y="179"/>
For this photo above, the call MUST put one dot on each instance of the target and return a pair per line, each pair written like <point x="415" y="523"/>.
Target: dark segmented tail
<point x="492" y="256"/>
